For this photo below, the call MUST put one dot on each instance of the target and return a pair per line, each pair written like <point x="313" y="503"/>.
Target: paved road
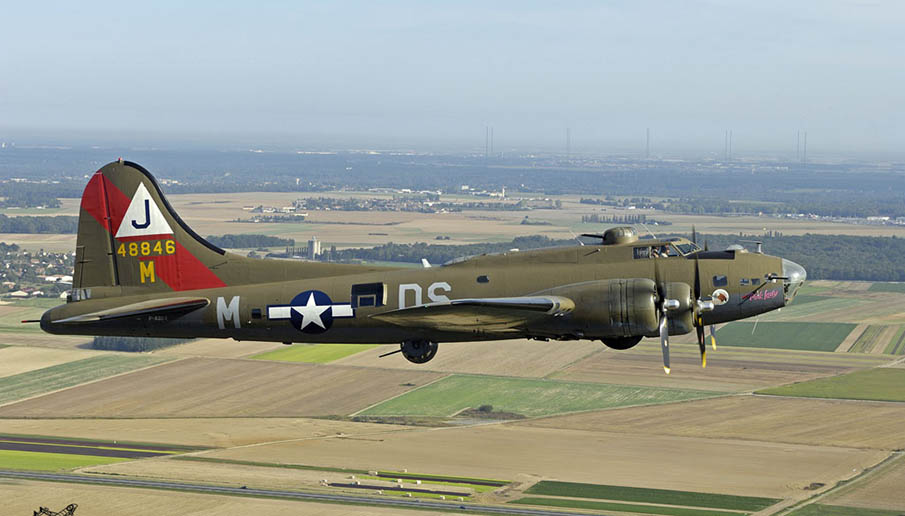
<point x="294" y="495"/>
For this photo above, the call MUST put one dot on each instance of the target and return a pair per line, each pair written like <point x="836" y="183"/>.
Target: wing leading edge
<point x="495" y="314"/>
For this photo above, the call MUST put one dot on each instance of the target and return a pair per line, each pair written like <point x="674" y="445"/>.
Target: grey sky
<point x="416" y="73"/>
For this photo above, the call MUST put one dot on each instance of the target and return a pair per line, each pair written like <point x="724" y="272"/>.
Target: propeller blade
<point x="713" y="337"/>
<point x="664" y="341"/>
<point x="701" y="345"/>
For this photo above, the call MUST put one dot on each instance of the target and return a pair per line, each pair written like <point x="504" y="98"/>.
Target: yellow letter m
<point x="146" y="268"/>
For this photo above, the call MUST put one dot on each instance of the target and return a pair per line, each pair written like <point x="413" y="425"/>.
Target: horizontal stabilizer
<point x="497" y="314"/>
<point x="158" y="307"/>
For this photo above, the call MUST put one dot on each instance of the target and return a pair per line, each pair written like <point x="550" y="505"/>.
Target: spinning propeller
<point x="700" y="306"/>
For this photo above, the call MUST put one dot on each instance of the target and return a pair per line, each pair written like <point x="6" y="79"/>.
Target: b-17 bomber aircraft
<point x="141" y="271"/>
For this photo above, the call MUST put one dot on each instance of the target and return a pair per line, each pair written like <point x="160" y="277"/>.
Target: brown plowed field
<point x="216" y="432"/>
<point x="207" y="387"/>
<point x="728" y="369"/>
<point x="510" y="451"/>
<point x="760" y="418"/>
<point x="528" y="358"/>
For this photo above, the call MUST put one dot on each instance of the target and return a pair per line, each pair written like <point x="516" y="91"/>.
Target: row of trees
<point x="28" y="224"/>
<point x="134" y="344"/>
<point x="249" y="241"/>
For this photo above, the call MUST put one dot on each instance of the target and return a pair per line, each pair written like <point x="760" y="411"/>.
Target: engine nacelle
<point x="621" y="309"/>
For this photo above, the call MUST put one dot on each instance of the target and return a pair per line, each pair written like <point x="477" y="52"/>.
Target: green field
<point x="314" y="353"/>
<point x="644" y="495"/>
<point x="896" y="345"/>
<point x="69" y="374"/>
<point x="888" y="287"/>
<point x="838" y="510"/>
<point x="881" y="384"/>
<point x="803" y="299"/>
<point x="784" y="335"/>
<point x="621" y="507"/>
<point x="40" y="461"/>
<point x="525" y="396"/>
<point x="812" y="307"/>
<point x="866" y="340"/>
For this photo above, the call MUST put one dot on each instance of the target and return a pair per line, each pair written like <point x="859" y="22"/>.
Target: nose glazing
<point x="794" y="275"/>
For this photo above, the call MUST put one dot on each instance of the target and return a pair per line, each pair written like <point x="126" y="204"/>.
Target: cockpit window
<point x="720" y="281"/>
<point x="688" y="248"/>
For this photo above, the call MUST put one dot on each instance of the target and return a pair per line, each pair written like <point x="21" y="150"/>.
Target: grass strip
<point x="621" y="507"/>
<point x="313" y="353"/>
<point x="839" y="510"/>
<point x="216" y="460"/>
<point x="61" y="376"/>
<point x="525" y="396"/>
<point x="880" y="384"/>
<point x="887" y="287"/>
<point x="640" y="494"/>
<point x="805" y="336"/>
<point x="43" y="461"/>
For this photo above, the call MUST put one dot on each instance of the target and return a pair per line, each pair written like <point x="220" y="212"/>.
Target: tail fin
<point x="129" y="236"/>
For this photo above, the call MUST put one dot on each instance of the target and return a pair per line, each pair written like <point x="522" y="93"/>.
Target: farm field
<point x="202" y="387"/>
<point x="882" y="489"/>
<point x="517" y="357"/>
<point x="313" y="353"/>
<point x="523" y="396"/>
<point x="197" y="432"/>
<point x="18" y="359"/>
<point x="661" y="496"/>
<point x="60" y="376"/>
<point x="726" y="466"/>
<point x="591" y="505"/>
<point x="881" y="384"/>
<point x="218" y="348"/>
<point x="729" y="369"/>
<point x="24" y="496"/>
<point x="804" y="336"/>
<point x="898" y="288"/>
<point x="38" y="461"/>
<point x="752" y="418"/>
<point x="836" y="510"/>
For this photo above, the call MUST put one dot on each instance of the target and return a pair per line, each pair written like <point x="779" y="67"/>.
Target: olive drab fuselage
<point x="141" y="271"/>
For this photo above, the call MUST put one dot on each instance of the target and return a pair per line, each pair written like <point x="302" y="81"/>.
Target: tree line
<point x="67" y="224"/>
<point x="249" y="241"/>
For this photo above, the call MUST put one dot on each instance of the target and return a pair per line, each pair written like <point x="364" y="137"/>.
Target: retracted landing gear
<point x="416" y="351"/>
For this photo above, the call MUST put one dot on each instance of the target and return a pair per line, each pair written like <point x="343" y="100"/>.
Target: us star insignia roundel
<point x="312" y="311"/>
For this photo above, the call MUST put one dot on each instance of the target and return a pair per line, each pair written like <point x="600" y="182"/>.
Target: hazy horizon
<point x="407" y="76"/>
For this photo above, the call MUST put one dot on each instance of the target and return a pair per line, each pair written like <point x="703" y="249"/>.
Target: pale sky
<point x="416" y="74"/>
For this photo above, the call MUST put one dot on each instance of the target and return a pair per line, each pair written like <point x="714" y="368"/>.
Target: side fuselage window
<point x="368" y="294"/>
<point x="642" y="252"/>
<point x="720" y="281"/>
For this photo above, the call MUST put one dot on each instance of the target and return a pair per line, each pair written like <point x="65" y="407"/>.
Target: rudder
<point x="129" y="236"/>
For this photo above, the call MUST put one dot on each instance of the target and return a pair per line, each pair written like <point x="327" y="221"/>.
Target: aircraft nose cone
<point x="795" y="276"/>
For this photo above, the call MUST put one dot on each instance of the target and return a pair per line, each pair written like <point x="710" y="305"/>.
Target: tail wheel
<point x="418" y="351"/>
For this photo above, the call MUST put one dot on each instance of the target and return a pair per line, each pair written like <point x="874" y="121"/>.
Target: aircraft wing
<point x="495" y="314"/>
<point x="154" y="307"/>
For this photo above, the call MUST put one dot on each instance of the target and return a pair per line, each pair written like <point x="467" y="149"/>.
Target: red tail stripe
<point x="180" y="271"/>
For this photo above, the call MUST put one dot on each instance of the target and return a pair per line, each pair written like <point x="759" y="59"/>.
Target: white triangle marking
<point x="143" y="217"/>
